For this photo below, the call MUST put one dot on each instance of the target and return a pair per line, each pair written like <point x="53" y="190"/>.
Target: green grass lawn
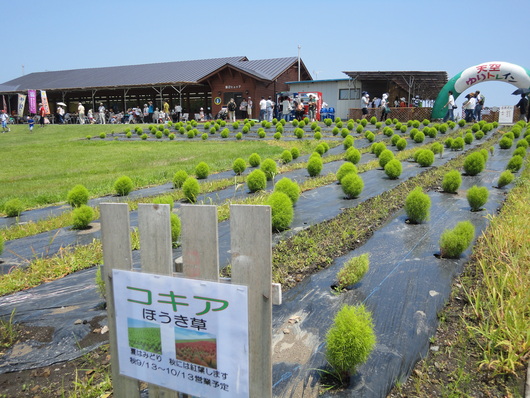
<point x="41" y="167"/>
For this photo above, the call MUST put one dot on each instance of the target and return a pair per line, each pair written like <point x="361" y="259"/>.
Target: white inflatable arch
<point x="488" y="71"/>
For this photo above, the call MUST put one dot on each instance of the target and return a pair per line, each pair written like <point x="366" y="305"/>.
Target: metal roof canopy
<point x="407" y="80"/>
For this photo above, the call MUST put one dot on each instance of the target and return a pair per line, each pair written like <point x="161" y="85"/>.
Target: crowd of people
<point x="472" y="107"/>
<point x="146" y="114"/>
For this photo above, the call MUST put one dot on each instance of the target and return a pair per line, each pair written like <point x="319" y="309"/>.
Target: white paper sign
<point x="506" y="114"/>
<point x="183" y="334"/>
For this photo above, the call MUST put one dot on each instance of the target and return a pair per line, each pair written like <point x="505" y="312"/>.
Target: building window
<point x="349" y="93"/>
<point x="355" y="93"/>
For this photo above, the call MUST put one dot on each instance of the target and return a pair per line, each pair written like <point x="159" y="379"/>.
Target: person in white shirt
<point x="146" y="113"/>
<point x="249" y="107"/>
<point x="269" y="108"/>
<point x="449" y="115"/>
<point x="479" y="105"/>
<point x="262" y="109"/>
<point x="365" y="100"/>
<point x="469" y="107"/>
<point x="101" y="111"/>
<point x="81" y="113"/>
<point x="384" y="105"/>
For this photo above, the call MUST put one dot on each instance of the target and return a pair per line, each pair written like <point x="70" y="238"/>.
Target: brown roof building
<point x="195" y="84"/>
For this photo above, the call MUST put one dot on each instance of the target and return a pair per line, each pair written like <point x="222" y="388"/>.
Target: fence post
<point x="251" y="245"/>
<point x="116" y="241"/>
<point x="156" y="256"/>
<point x="200" y="252"/>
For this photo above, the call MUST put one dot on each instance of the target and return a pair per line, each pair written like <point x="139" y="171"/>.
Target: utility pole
<point x="299" y="47"/>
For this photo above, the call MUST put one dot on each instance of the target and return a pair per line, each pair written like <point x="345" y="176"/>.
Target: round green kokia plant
<point x="417" y="206"/>
<point x="353" y="271"/>
<point x="314" y="166"/>
<point x="202" y="170"/>
<point x="386" y="156"/>
<point x="401" y="144"/>
<point x="505" y="142"/>
<point x="377" y="148"/>
<point x="505" y="178"/>
<point x="254" y="160"/>
<point x="178" y="178"/>
<point x="451" y="181"/>
<point x="393" y="169"/>
<point x="191" y="189"/>
<point x="77" y="196"/>
<point x="515" y="163"/>
<point x="454" y="242"/>
<point x="477" y="197"/>
<point x="295" y="152"/>
<point x="282" y="211"/>
<point x="348" y="142"/>
<point x="345" y="169"/>
<point x="256" y="181"/>
<point x="352" y="155"/>
<point x="286" y="156"/>
<point x="123" y="186"/>
<point x="82" y="216"/>
<point x="239" y="166"/>
<point x="13" y="207"/>
<point x="474" y="164"/>
<point x="350" y="340"/>
<point x="425" y="157"/>
<point x="269" y="167"/>
<point x="288" y="187"/>
<point x="352" y="185"/>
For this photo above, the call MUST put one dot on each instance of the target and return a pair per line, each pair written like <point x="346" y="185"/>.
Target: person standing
<point x="249" y="107"/>
<point x="262" y="109"/>
<point x="4" y="118"/>
<point x="81" y="113"/>
<point x="384" y="107"/>
<point x="312" y="108"/>
<point x="178" y="112"/>
<point x="101" y="112"/>
<point x="166" y="108"/>
<point x="479" y="105"/>
<point x="42" y="114"/>
<point x="269" y="109"/>
<point x="60" y="114"/>
<point x="243" y="108"/>
<point x="151" y="113"/>
<point x="145" y="112"/>
<point x="450" y="115"/>
<point x="365" y="100"/>
<point x="286" y="109"/>
<point x="31" y="123"/>
<point x="469" y="107"/>
<point x="231" y="106"/>
<point x="522" y="105"/>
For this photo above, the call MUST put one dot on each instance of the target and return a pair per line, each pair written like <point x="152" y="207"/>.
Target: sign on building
<point x="183" y="334"/>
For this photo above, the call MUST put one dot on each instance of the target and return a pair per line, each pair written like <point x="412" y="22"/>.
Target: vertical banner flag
<point x="21" y="104"/>
<point x="44" y="100"/>
<point x="32" y="101"/>
<point x="4" y="100"/>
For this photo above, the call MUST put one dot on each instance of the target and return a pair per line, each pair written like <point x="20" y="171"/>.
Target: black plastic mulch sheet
<point x="60" y="293"/>
<point x="404" y="290"/>
<point x="71" y="306"/>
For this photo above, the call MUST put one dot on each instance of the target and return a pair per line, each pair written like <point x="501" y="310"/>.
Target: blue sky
<point x="335" y="36"/>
